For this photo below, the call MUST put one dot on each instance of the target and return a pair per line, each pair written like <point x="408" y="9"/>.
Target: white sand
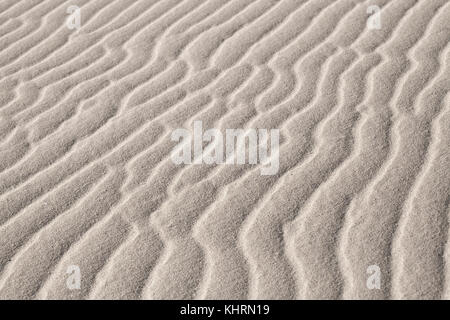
<point x="86" y="177"/>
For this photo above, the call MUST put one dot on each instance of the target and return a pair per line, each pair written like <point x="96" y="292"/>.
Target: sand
<point x="93" y="207"/>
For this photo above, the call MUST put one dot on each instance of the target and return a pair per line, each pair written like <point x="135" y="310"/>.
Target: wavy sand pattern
<point x="86" y="177"/>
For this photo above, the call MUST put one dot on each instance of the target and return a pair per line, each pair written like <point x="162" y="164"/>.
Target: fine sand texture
<point x="92" y="206"/>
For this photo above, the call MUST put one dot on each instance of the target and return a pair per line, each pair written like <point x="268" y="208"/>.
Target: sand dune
<point x="92" y="205"/>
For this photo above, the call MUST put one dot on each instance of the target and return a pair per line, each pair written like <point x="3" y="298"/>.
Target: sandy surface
<point x="87" y="181"/>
